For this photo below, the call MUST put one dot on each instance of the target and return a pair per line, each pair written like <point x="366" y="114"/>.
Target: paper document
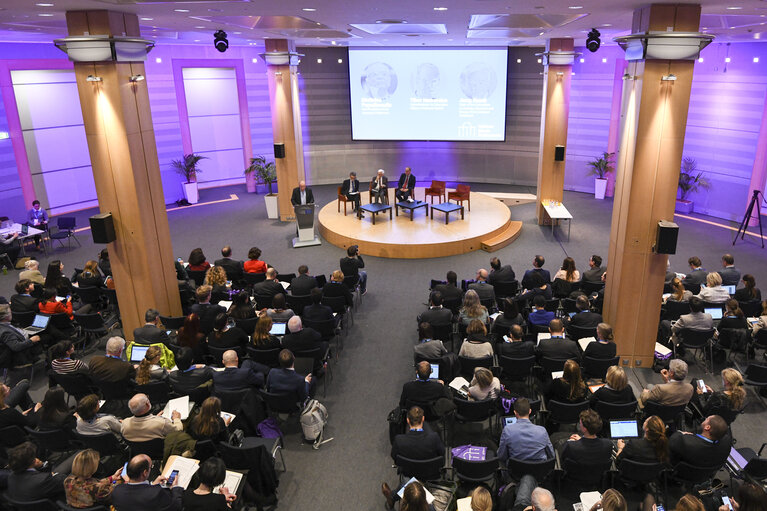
<point x="186" y="469"/>
<point x="225" y="304"/>
<point x="285" y="285"/>
<point x="557" y="374"/>
<point x="181" y="405"/>
<point x="226" y="416"/>
<point x="661" y="349"/>
<point x="101" y="402"/>
<point x="232" y="482"/>
<point x="594" y="388"/>
<point x="429" y="496"/>
<point x="459" y="383"/>
<point x="494" y="315"/>
<point x="464" y="504"/>
<point x="584" y="341"/>
<point x="589" y="498"/>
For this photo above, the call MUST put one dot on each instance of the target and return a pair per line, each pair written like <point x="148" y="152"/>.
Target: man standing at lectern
<point x="405" y="186"/>
<point x="302" y="195"/>
<point x="379" y="186"/>
<point x="351" y="188"/>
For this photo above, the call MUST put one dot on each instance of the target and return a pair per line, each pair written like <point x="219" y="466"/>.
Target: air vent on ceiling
<point x="410" y="28"/>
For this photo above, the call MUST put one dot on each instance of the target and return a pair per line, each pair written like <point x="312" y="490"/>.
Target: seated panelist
<point x="405" y="185"/>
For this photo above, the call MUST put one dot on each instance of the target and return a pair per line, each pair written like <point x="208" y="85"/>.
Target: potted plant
<point x="187" y="167"/>
<point x="266" y="172"/>
<point x="600" y="167"/>
<point x="690" y="181"/>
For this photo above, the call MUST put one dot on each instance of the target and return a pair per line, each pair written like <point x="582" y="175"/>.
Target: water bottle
<point x="5" y="270"/>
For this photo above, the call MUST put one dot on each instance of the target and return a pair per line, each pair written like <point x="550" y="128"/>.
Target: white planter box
<point x="600" y="186"/>
<point x="272" y="209"/>
<point x="684" y="206"/>
<point x="190" y="192"/>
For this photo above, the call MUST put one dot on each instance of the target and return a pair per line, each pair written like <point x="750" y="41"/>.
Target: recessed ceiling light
<point x="604" y="61"/>
<point x="541" y="33"/>
<point x="309" y="9"/>
<point x="215" y="10"/>
<point x="181" y="10"/>
<point x="727" y="59"/>
<point x="440" y="8"/>
<point x="575" y="7"/>
<point x="519" y="61"/>
<point x="199" y="26"/>
<point x="319" y="61"/>
<point x="45" y="14"/>
<point x="734" y="8"/>
<point x="332" y="42"/>
<point x="254" y="60"/>
<point x="607" y="24"/>
<point x="158" y="60"/>
<point x="756" y="60"/>
<point x="540" y="61"/>
<point x="237" y="33"/>
<point x="583" y="60"/>
<point x="340" y="61"/>
<point x="700" y="59"/>
<point x="44" y="5"/>
<point x="197" y="40"/>
<point x="146" y="19"/>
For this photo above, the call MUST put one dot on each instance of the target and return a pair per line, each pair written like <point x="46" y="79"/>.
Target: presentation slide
<point x="436" y="94"/>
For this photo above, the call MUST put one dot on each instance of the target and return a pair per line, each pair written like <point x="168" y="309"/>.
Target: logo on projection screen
<point x="467" y="129"/>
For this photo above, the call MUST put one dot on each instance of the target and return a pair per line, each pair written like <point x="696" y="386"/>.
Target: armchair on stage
<point x="305" y="226"/>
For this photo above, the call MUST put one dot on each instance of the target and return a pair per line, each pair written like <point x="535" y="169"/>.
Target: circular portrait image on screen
<point x="478" y="80"/>
<point x="378" y="80"/>
<point x="425" y="81"/>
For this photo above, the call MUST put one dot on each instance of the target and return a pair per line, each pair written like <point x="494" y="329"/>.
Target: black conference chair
<point x="517" y="368"/>
<point x="231" y="400"/>
<point x="30" y="505"/>
<point x="152" y="448"/>
<point x="538" y="469"/>
<point x="172" y="322"/>
<point x="597" y="367"/>
<point x="469" y="364"/>
<point x="476" y="471"/>
<point x="560" y="412"/>
<point x="504" y="289"/>
<point x="697" y="340"/>
<point x="269" y="358"/>
<point x="671" y="415"/>
<point x="423" y="470"/>
<point x="579" y="332"/>
<point x="65" y="230"/>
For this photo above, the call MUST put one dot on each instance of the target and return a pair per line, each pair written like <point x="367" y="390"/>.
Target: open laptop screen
<point x="716" y="312"/>
<point x="40" y="321"/>
<point x="624" y="429"/>
<point x="278" y="329"/>
<point x="137" y="353"/>
<point x="434" y="372"/>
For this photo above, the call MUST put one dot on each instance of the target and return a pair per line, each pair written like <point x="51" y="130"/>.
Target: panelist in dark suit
<point x="151" y="333"/>
<point x="351" y="188"/>
<point x="302" y="194"/>
<point x="405" y="185"/>
<point x="137" y="493"/>
<point x="285" y="379"/>
<point x="379" y="187"/>
<point x="232" y="267"/>
<point x="304" y="283"/>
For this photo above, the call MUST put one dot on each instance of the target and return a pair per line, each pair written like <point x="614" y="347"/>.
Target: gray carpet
<point x="377" y="358"/>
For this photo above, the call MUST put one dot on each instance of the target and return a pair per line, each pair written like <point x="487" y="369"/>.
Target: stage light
<point x="592" y="41"/>
<point x="93" y="79"/>
<point x="220" y="41"/>
<point x="136" y="78"/>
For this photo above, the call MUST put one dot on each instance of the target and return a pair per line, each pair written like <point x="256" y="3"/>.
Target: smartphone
<point x="124" y="473"/>
<point x="168" y="331"/>
<point x="659" y="507"/>
<point x="702" y="386"/>
<point x="171" y="478"/>
<point x="726" y="501"/>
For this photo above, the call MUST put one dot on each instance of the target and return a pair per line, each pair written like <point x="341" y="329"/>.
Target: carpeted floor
<point x="345" y="474"/>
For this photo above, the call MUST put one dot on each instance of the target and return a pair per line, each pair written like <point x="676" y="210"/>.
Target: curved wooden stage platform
<point x="487" y="226"/>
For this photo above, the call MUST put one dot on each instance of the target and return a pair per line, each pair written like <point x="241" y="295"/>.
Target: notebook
<point x="541" y="336"/>
<point x="594" y="388"/>
<point x="278" y="329"/>
<point x="181" y="405"/>
<point x="624" y="429"/>
<point x="557" y="374"/>
<point x="285" y="285"/>
<point x="137" y="353"/>
<point x="232" y="482"/>
<point x="461" y="386"/>
<point x="715" y="312"/>
<point x="39" y="324"/>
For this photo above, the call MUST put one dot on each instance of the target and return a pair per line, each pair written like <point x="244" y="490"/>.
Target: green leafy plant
<point x="266" y="171"/>
<point x="187" y="166"/>
<point x="601" y="166"/>
<point x="689" y="180"/>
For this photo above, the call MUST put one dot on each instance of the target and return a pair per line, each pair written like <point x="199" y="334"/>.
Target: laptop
<point x="715" y="312"/>
<point x="137" y="353"/>
<point x="39" y="324"/>
<point x="278" y="329"/>
<point x="736" y="460"/>
<point x="434" y="375"/>
<point x="571" y="314"/>
<point x="25" y="231"/>
<point x="730" y="289"/>
<point x="509" y="420"/>
<point x="624" y="429"/>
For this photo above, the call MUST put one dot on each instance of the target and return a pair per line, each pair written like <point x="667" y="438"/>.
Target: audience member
<point x="225" y="336"/>
<point x="472" y="309"/>
<point x="91" y="422"/>
<point x="205" y="310"/>
<point x="270" y="286"/>
<point x="595" y="271"/>
<point x="476" y="344"/>
<point x="558" y="346"/>
<point x="499" y="273"/>
<point x="714" y="292"/>
<point x="152" y="332"/>
<point x="697" y="319"/>
<point x="652" y="447"/>
<point x="139" y="494"/>
<point x="212" y="473"/>
<point x="481" y="500"/>
<point x="731" y="398"/>
<point x="674" y="392"/>
<point x="22" y="348"/>
<point x="586" y="448"/>
<point x="539" y="315"/>
<point x="302" y="339"/>
<point x="678" y="292"/>
<point x="104" y="265"/>
<point x="537" y="287"/>
<point x="611" y="500"/>
<point x="422" y="390"/>
<point x="232" y="267"/>
<point x="484" y="385"/>
<point x="514" y="345"/>
<point x="303" y="284"/>
<point x="524" y="440"/>
<point x="604" y="347"/>
<point x="450" y="290"/>
<point x="189" y="336"/>
<point x="55" y="279"/>
<point x="336" y="288"/>
<point x="568" y="272"/>
<point x="61" y="359"/>
<point x="49" y="304"/>
<point x="32" y="272"/>
<point x="749" y="292"/>
<point x="285" y="379"/>
<point x="279" y="313"/>
<point x="435" y="314"/>
<point x="317" y="312"/>
<point x="208" y="423"/>
<point x="215" y="277"/>
<point x="149" y="369"/>
<point x="90" y="276"/>
<point x="762" y="322"/>
<point x="584" y="318"/>
<point x="569" y="388"/>
<point x="241" y="307"/>
<point x="710" y="448"/>
<point x="696" y="276"/>
<point x="509" y="316"/>
<point x="197" y="261"/>
<point x="748" y="497"/>
<point x="670" y="274"/>
<point x="189" y="377"/>
<point x="23" y="301"/>
<point x="413" y="497"/>
<point x="82" y="489"/>
<point x="538" y="262"/>
<point x="233" y="377"/>
<point x="352" y="265"/>
<point x="144" y="425"/>
<point x="254" y="264"/>
<point x="110" y="367"/>
<point x="732" y="331"/>
<point x="484" y="290"/>
<point x="616" y="389"/>
<point x="428" y="348"/>
<point x="730" y="275"/>
<point x="9" y="399"/>
<point x="30" y="480"/>
<point x="54" y="412"/>
<point x="262" y="338"/>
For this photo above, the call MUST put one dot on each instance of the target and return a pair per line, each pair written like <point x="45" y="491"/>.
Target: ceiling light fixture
<point x="146" y="19"/>
<point x="137" y="78"/>
<point x="582" y="61"/>
<point x="575" y="7"/>
<point x="700" y="59"/>
<point x="308" y="9"/>
<point x="440" y="8"/>
<point x="45" y="14"/>
<point x="340" y="61"/>
<point x="158" y="60"/>
<point x="181" y="10"/>
<point x="102" y="48"/>
<point x="756" y="60"/>
<point x="604" y="61"/>
<point x="727" y="59"/>
<point x="319" y="61"/>
<point x="519" y="61"/>
<point x="592" y="40"/>
<point x="93" y="79"/>
<point x="220" y="41"/>
<point x="44" y="5"/>
<point x="734" y="8"/>
<point x="663" y="45"/>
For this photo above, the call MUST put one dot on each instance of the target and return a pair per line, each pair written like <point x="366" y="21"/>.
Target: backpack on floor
<point x="313" y="421"/>
<point x="396" y="420"/>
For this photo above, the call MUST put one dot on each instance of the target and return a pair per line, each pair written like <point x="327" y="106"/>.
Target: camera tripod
<point x="747" y="218"/>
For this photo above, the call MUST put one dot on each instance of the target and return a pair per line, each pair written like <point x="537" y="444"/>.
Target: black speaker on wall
<point x="668" y="232"/>
<point x="279" y="150"/>
<point x="103" y="228"/>
<point x="559" y="153"/>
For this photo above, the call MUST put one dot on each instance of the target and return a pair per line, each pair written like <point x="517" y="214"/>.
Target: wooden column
<point x="554" y="114"/>
<point x="286" y="124"/>
<point x="654" y="119"/>
<point x="121" y="142"/>
<point x="759" y="172"/>
<point x="615" y="120"/>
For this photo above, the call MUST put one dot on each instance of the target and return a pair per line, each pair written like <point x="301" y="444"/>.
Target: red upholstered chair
<point x="461" y="193"/>
<point x="437" y="189"/>
<point x="342" y="198"/>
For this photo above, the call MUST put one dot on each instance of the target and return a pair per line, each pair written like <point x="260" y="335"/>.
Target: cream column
<point x="759" y="172"/>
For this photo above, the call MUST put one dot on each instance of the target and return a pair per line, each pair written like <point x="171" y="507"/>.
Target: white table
<point x="558" y="211"/>
<point x="33" y="231"/>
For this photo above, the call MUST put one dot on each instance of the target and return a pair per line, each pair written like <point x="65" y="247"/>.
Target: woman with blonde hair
<point x="90" y="276"/>
<point x="215" y="277"/>
<point x="616" y="389"/>
<point x="651" y="448"/>
<point x="604" y="347"/>
<point x="476" y="344"/>
<point x="484" y="385"/>
<point x="611" y="500"/>
<point x="714" y="292"/>
<point x="679" y="293"/>
<point x="82" y="489"/>
<point x="726" y="402"/>
<point x="570" y="387"/>
<point x="149" y="369"/>
<point x="472" y="309"/>
<point x="481" y="500"/>
<point x="568" y="271"/>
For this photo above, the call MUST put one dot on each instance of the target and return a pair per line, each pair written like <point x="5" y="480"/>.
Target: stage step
<point x="509" y="234"/>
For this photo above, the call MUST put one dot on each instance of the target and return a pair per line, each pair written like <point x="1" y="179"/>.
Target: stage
<point x="487" y="226"/>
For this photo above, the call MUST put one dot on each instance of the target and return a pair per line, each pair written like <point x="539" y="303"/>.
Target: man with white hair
<point x="270" y="286"/>
<point x="32" y="272"/>
<point x="144" y="425"/>
<point x="675" y="391"/>
<point x="531" y="497"/>
<point x="111" y="367"/>
<point x="302" y="339"/>
<point x="233" y="378"/>
<point x="379" y="187"/>
<point x="483" y="289"/>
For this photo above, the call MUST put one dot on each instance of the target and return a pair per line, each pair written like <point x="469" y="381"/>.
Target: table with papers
<point x="32" y="231"/>
<point x="557" y="211"/>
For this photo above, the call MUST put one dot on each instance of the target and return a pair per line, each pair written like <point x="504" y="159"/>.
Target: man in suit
<point x="205" y="310"/>
<point x="674" y="392"/>
<point x="302" y="194"/>
<point x="595" y="271"/>
<point x="730" y="274"/>
<point x="303" y="339"/>
<point x="436" y="314"/>
<point x="270" y="286"/>
<point x="483" y="289"/>
<point x="188" y="377"/>
<point x="137" y="493"/>
<point x="539" y="316"/>
<point x="304" y="283"/>
<point x="316" y="311"/>
<point x="514" y="345"/>
<point x="232" y="267"/>
<point x="285" y="379"/>
<point x="151" y="333"/>
<point x="710" y="448"/>
<point x="352" y="265"/>
<point x="558" y="346"/>
<point x="450" y="291"/>
<point x="37" y="218"/>
<point x="697" y="319"/>
<point x="584" y="318"/>
<point x="379" y="187"/>
<point x="23" y="301"/>
<point x="351" y="189"/>
<point x="32" y="272"/>
<point x="524" y="440"/>
<point x="336" y="287"/>
<point x="232" y="378"/>
<point x="696" y="276"/>
<point x="499" y="273"/>
<point x="405" y="185"/>
<point x="422" y="390"/>
<point x="144" y="425"/>
<point x="586" y="448"/>
<point x="110" y="367"/>
<point x="538" y="262"/>
<point x="427" y="347"/>
<point x="29" y="481"/>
